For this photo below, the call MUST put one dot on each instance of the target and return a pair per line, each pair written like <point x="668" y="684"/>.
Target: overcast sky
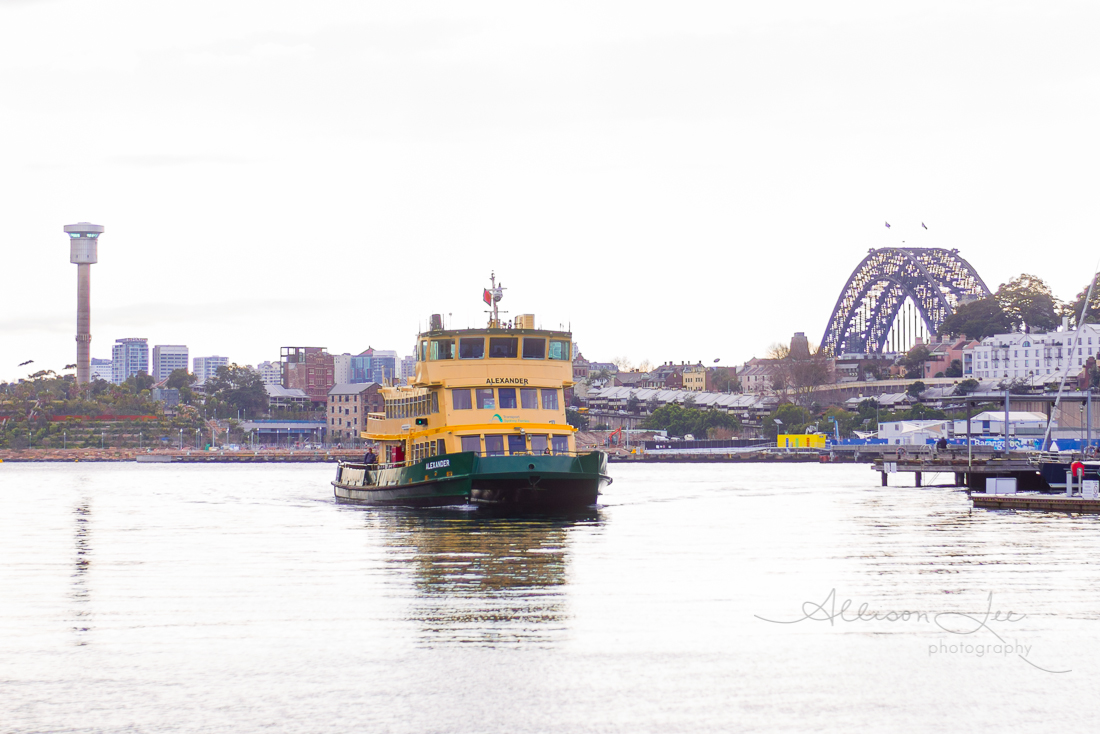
<point x="677" y="181"/>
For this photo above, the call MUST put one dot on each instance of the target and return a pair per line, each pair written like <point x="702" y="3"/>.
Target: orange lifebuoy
<point x="1078" y="469"/>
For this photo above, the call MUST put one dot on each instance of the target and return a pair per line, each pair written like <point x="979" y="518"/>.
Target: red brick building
<point x="309" y="369"/>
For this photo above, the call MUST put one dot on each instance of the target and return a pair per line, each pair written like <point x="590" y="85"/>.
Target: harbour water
<point x="161" y="598"/>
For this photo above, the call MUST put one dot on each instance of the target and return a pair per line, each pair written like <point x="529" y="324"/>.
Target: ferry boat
<point x="482" y="422"/>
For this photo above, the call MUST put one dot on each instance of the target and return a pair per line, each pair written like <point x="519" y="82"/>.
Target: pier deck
<point x="1047" y="502"/>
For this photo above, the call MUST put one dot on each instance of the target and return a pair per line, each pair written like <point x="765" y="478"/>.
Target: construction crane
<point x="618" y="431"/>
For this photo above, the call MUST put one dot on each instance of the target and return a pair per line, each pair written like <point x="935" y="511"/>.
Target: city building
<point x="128" y="357"/>
<point x="1040" y="356"/>
<point x="408" y="368"/>
<point x="101" y="370"/>
<point x="206" y="368"/>
<point x="697" y="378"/>
<point x="380" y="365"/>
<point x="348" y="405"/>
<point x="309" y="369"/>
<point x="84" y="253"/>
<point x="170" y="396"/>
<point x="168" y="357"/>
<point x="341" y="368"/>
<point x="271" y="372"/>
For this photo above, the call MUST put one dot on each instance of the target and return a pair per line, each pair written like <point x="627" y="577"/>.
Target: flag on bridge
<point x="887" y="225"/>
<point x="924" y="225"/>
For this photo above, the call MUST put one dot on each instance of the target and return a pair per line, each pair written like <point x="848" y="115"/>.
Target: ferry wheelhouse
<point x="483" y="421"/>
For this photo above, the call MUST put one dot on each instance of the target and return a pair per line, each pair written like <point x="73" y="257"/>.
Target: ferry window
<point x="517" y="444"/>
<point x="534" y="348"/>
<point x="471" y="348"/>
<point x="559" y="349"/>
<point x="485" y="399"/>
<point x="507" y="397"/>
<point x="503" y="347"/>
<point x="460" y="399"/>
<point x="539" y="445"/>
<point x="423" y="351"/>
<point x="443" y="349"/>
<point x="549" y="399"/>
<point x="471" y="443"/>
<point x="561" y="444"/>
<point x="529" y="398"/>
<point x="494" y="445"/>
<point x="440" y="447"/>
<point x="435" y="402"/>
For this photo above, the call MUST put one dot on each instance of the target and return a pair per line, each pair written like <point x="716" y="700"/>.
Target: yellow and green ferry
<point x="483" y="422"/>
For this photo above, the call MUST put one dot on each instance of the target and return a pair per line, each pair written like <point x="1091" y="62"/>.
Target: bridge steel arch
<point x="935" y="279"/>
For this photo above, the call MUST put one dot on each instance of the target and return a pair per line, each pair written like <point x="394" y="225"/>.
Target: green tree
<point x="916" y="389"/>
<point x="179" y="379"/>
<point x="576" y="419"/>
<point x="138" y="382"/>
<point x="966" y="387"/>
<point x="723" y="379"/>
<point x="1029" y="304"/>
<point x="680" y="421"/>
<point x="1093" y="313"/>
<point x="955" y="369"/>
<point x="794" y="418"/>
<point x="977" y="320"/>
<point x="914" y="360"/>
<point x="236" y="388"/>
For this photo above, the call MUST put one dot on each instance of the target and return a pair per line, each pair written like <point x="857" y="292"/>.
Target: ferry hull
<point x="540" y="482"/>
<point x="434" y="482"/>
<point x="513" y="482"/>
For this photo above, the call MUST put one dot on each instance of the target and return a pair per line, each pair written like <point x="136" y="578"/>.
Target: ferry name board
<point x="505" y="380"/>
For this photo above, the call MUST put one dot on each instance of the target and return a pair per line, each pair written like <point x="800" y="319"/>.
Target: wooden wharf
<point x="1047" y="502"/>
<point x="970" y="473"/>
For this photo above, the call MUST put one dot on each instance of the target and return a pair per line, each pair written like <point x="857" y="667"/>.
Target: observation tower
<point x="83" y="252"/>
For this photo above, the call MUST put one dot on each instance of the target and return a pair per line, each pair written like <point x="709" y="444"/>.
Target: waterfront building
<point x="271" y="372"/>
<point x="101" y="370"/>
<point x="628" y="406"/>
<point x="206" y="368"/>
<point x="914" y="433"/>
<point x="309" y="369"/>
<point x="347" y="409"/>
<point x="279" y="397"/>
<point x="168" y="357"/>
<point x="128" y="357"/>
<point x="1035" y="357"/>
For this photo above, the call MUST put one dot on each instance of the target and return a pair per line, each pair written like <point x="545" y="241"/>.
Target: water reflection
<point x="481" y="579"/>
<point x="79" y="593"/>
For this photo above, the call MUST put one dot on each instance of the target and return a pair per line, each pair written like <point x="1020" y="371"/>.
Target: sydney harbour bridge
<point x="897" y="294"/>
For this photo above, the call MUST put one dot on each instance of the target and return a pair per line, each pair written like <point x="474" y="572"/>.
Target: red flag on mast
<point x="487" y="296"/>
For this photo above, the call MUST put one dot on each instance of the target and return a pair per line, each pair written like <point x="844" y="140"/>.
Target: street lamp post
<point x="181" y="439"/>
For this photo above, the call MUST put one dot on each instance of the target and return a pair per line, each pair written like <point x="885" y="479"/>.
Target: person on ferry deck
<point x="370" y="459"/>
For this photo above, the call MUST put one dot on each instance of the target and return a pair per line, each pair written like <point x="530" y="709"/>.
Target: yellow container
<point x="801" y="441"/>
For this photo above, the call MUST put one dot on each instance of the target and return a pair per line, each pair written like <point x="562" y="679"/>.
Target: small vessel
<point x="483" y="422"/>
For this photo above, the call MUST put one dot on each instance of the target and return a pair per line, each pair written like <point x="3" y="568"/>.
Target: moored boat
<point x="483" y="421"/>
